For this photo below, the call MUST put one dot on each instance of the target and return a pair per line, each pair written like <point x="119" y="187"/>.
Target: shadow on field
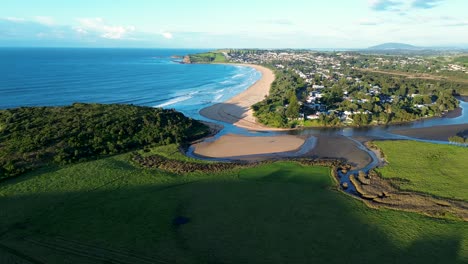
<point x="230" y="221"/>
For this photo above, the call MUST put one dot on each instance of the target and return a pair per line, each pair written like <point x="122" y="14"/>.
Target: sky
<point x="232" y="24"/>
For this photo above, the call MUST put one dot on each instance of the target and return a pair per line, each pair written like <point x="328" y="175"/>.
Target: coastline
<point x="237" y="110"/>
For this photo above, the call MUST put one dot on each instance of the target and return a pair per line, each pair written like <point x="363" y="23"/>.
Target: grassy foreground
<point x="435" y="169"/>
<point x="108" y="211"/>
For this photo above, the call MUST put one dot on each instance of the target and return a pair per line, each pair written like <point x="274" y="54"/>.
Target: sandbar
<point x="441" y="133"/>
<point x="231" y="145"/>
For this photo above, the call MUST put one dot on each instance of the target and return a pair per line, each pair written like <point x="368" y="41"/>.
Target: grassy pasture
<point x="440" y="170"/>
<point x="108" y="211"/>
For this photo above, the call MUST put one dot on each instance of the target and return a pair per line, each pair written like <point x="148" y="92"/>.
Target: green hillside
<point x="112" y="211"/>
<point x="36" y="136"/>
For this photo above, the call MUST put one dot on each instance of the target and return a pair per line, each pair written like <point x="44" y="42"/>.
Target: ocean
<point x="147" y="77"/>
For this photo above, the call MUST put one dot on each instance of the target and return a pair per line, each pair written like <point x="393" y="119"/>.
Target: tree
<point x="293" y="109"/>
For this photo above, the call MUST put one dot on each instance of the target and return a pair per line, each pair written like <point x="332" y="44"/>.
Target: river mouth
<point x="358" y="136"/>
<point x="380" y="132"/>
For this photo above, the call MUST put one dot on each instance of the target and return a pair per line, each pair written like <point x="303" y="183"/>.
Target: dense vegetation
<point x="424" y="67"/>
<point x="458" y="139"/>
<point x="461" y="137"/>
<point x="428" y="168"/>
<point x="108" y="211"/>
<point x="282" y="108"/>
<point x="463" y="60"/>
<point x="285" y="90"/>
<point x="352" y="89"/>
<point x="208" y="57"/>
<point x="411" y="99"/>
<point x="31" y="137"/>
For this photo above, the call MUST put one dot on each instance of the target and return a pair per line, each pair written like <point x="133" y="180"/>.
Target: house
<point x="313" y="117"/>
<point x="315" y="106"/>
<point x="313" y="96"/>
<point x="375" y="90"/>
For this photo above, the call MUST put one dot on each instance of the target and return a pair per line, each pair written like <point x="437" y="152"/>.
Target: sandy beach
<point x="238" y="110"/>
<point x="231" y="145"/>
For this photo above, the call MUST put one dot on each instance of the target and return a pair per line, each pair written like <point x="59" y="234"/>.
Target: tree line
<point x="281" y="107"/>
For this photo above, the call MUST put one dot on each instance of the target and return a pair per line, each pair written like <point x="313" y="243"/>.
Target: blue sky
<point x="234" y="24"/>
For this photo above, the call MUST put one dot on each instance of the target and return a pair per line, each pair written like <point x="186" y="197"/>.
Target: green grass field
<point x="109" y="211"/>
<point x="462" y="60"/>
<point x="435" y="169"/>
<point x="208" y="57"/>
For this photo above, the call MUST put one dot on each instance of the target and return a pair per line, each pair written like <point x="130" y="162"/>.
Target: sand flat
<point x="237" y="145"/>
<point x="441" y="133"/>
<point x="340" y="147"/>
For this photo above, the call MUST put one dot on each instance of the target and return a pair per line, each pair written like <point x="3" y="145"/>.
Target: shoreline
<point x="237" y="110"/>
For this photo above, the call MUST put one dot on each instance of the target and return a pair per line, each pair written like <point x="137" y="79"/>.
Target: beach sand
<point x="229" y="146"/>
<point x="237" y="110"/>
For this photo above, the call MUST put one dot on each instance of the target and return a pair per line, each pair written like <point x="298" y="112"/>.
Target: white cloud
<point x="369" y="22"/>
<point x="105" y="30"/>
<point x="426" y="4"/>
<point x="167" y="35"/>
<point x="14" y="19"/>
<point x="44" y="20"/>
<point x="41" y="35"/>
<point x="80" y="31"/>
<point x="457" y="24"/>
<point x="279" y="21"/>
<point x="384" y="5"/>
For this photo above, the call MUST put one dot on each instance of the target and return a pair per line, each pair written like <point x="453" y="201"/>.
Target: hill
<point x="207" y="57"/>
<point x="35" y="136"/>
<point x="394" y="46"/>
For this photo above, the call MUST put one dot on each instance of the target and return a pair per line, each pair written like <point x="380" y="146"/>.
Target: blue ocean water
<point x="149" y="77"/>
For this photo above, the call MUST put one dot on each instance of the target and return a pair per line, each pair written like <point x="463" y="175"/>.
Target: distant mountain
<point x="394" y="46"/>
